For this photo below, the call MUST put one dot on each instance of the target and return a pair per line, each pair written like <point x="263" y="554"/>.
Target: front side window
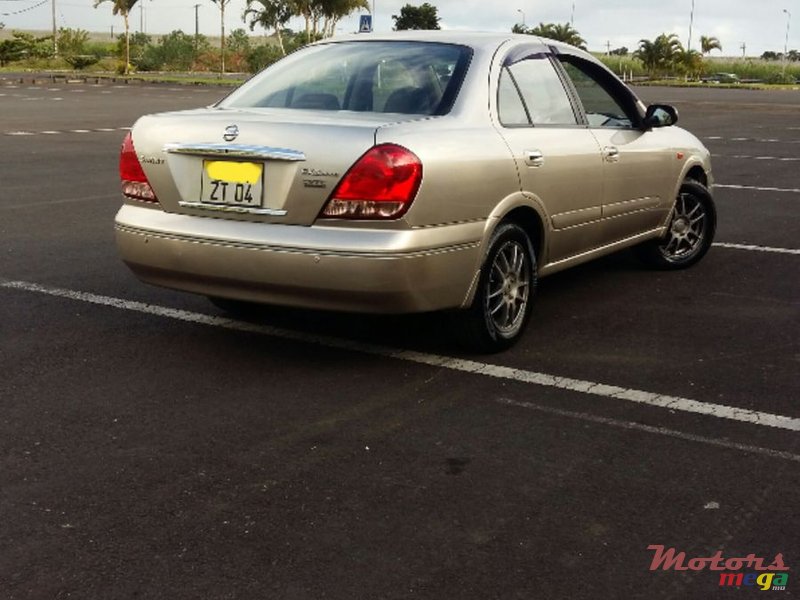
<point x="391" y="77"/>
<point x="604" y="106"/>
<point x="541" y="90"/>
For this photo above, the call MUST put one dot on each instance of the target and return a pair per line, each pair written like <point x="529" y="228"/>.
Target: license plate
<point x="232" y="183"/>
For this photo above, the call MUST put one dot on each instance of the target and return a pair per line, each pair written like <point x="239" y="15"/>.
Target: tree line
<point x="661" y="56"/>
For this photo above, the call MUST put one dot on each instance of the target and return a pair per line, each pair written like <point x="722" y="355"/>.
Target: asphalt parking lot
<point x="153" y="448"/>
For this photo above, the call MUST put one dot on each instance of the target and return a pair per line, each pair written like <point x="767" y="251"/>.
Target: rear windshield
<point x="384" y="77"/>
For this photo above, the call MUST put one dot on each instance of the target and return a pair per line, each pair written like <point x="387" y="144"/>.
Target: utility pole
<point x="572" y="16"/>
<point x="744" y="49"/>
<point x="786" y="43"/>
<point x="608" y="48"/>
<point x="55" y="33"/>
<point x="141" y="17"/>
<point x="691" y="25"/>
<point x="196" y="29"/>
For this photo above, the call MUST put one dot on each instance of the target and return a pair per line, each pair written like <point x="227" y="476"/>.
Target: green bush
<point x="81" y="61"/>
<point x="100" y="49"/>
<point x="261" y="57"/>
<point x="72" y="42"/>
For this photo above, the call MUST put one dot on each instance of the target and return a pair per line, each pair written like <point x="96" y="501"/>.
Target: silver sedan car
<point x="411" y="172"/>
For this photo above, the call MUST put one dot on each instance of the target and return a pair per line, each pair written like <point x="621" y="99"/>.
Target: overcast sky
<point x="761" y="25"/>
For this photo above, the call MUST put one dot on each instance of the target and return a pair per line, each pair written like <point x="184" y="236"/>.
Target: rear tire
<point x="502" y="304"/>
<point x="690" y="233"/>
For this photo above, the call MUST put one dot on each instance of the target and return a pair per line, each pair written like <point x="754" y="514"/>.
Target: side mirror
<point x="660" y="115"/>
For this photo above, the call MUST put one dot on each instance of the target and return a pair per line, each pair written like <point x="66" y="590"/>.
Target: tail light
<point x="382" y="184"/>
<point x="134" y="181"/>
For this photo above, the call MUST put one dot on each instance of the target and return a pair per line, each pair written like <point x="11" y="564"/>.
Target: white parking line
<point x="633" y="426"/>
<point x="757" y="188"/>
<point x="749" y="157"/>
<point x="672" y="403"/>
<point x="718" y="138"/>
<point x="754" y="248"/>
<point x="66" y="131"/>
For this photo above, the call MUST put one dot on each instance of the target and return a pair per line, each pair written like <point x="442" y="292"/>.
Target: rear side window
<point x="540" y="90"/>
<point x="391" y="77"/>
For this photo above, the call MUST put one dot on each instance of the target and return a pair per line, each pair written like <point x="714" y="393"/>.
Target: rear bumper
<point x="334" y="268"/>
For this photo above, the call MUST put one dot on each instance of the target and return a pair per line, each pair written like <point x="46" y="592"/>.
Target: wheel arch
<point x="697" y="173"/>
<point x="525" y="212"/>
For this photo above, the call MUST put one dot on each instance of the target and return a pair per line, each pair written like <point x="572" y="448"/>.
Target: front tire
<point x="692" y="224"/>
<point x="502" y="304"/>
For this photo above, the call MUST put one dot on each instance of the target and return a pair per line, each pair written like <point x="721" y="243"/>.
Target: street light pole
<point x="786" y="42"/>
<point x="572" y="16"/>
<point x="691" y="25"/>
<point x="522" y="12"/>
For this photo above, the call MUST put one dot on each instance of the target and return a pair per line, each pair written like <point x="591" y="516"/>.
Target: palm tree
<point x="659" y="55"/>
<point x="270" y="14"/>
<point x="707" y="44"/>
<point x="690" y="62"/>
<point x="556" y="31"/>
<point x="222" y="4"/>
<point x="333" y="10"/>
<point x="122" y="7"/>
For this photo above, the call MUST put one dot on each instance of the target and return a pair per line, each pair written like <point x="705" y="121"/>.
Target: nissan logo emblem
<point x="231" y="133"/>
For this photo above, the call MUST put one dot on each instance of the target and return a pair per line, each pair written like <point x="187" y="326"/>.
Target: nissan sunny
<point x="412" y="172"/>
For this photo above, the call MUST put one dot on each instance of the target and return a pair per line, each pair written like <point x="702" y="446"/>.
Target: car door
<point x="638" y="164"/>
<point x="558" y="159"/>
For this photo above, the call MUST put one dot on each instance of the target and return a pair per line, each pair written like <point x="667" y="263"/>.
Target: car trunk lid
<point x="269" y="165"/>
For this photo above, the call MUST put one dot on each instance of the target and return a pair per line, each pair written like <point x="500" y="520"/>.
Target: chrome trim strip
<point x="244" y="245"/>
<point x="236" y="151"/>
<point x="270" y="212"/>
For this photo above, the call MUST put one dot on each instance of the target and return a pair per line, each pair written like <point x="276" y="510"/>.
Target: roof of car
<point x="475" y="39"/>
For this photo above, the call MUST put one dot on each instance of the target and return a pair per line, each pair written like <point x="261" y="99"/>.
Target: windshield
<point x="386" y="77"/>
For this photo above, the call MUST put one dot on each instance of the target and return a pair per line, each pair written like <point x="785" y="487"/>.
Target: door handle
<point x="534" y="158"/>
<point x="611" y="153"/>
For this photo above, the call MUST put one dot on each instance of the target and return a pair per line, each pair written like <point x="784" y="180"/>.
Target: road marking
<point x="756" y="188"/>
<point x="61" y="201"/>
<point x="67" y="131"/>
<point x="672" y="403"/>
<point x="754" y="248"/>
<point x="750" y="157"/>
<point x="752" y="139"/>
<point x="633" y="426"/>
